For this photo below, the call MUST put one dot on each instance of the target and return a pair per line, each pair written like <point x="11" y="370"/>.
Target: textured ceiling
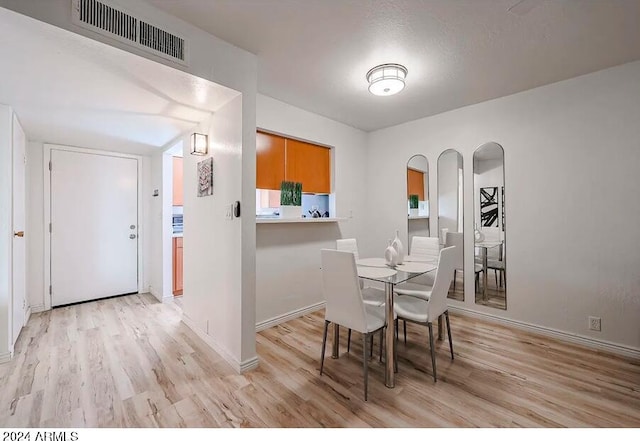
<point x="314" y="54"/>
<point x="68" y="89"/>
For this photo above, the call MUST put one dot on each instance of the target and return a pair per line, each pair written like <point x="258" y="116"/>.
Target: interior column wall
<point x="6" y="236"/>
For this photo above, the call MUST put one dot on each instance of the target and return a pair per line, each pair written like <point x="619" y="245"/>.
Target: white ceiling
<point x="314" y="54"/>
<point x="71" y="90"/>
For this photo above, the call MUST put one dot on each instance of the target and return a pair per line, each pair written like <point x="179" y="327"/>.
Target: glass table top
<point x="376" y="269"/>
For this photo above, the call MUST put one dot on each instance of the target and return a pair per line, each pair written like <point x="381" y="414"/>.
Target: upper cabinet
<point x="309" y="164"/>
<point x="282" y="159"/>
<point x="178" y="187"/>
<point x="270" y="160"/>
<point x="415" y="183"/>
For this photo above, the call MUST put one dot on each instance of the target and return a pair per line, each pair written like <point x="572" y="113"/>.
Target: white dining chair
<point x="457" y="240"/>
<point x="371" y="295"/>
<point x="345" y="305"/>
<point x="424" y="312"/>
<point x="497" y="265"/>
<point x="426" y="248"/>
<point x="443" y="235"/>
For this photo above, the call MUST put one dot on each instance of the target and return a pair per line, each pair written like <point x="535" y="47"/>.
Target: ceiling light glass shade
<point x="386" y="79"/>
<point x="199" y="144"/>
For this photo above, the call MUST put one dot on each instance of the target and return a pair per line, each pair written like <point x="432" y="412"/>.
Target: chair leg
<point x="349" y="341"/>
<point x="454" y="279"/>
<point x="370" y="345"/>
<point x="495" y="274"/>
<point x="446" y="315"/>
<point x="396" y="329"/>
<point x="381" y="340"/>
<point x="405" y="331"/>
<point x="433" y="351"/>
<point x="365" y="338"/>
<point x="324" y="344"/>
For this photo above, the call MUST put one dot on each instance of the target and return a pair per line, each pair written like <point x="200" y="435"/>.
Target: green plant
<point x="297" y="194"/>
<point x="286" y="193"/>
<point x="291" y="193"/>
<point x="413" y="201"/>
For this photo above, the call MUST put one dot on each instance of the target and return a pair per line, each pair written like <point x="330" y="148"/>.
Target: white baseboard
<point x="5" y="357"/>
<point x="266" y="324"/>
<point x="37" y="308"/>
<point x="249" y="364"/>
<point x="168" y="299"/>
<point x="154" y="293"/>
<point x="239" y="367"/>
<point x="27" y="316"/>
<point x="549" y="332"/>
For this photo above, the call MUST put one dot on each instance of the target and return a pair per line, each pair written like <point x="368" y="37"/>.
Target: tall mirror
<point x="417" y="197"/>
<point x="450" y="213"/>
<point x="489" y="225"/>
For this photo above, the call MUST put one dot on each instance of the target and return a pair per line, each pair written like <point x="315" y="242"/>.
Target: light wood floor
<point x="129" y="361"/>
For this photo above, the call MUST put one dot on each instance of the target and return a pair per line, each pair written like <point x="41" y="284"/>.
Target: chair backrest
<point x="348" y="245"/>
<point x="422" y="246"/>
<point x="341" y="290"/>
<point x="456" y="240"/>
<point x="443" y="235"/>
<point x="444" y="275"/>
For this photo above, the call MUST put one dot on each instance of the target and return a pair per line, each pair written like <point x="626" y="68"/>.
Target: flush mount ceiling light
<point x="199" y="144"/>
<point x="386" y="79"/>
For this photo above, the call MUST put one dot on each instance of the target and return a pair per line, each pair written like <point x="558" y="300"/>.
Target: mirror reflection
<point x="489" y="225"/>
<point x="450" y="213"/>
<point x="418" y="197"/>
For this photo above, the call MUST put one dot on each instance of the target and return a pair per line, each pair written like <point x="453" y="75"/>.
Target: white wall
<point x="571" y="151"/>
<point x="6" y="233"/>
<point x="212" y="252"/>
<point x="216" y="60"/>
<point x="288" y="255"/>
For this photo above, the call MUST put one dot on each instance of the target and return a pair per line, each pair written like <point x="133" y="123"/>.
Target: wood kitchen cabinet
<point x="178" y="186"/>
<point x="270" y="160"/>
<point x="415" y="183"/>
<point x="282" y="159"/>
<point x="309" y="164"/>
<point x="177" y="266"/>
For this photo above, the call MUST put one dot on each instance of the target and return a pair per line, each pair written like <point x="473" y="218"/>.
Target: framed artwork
<point x="489" y="206"/>
<point x="205" y="177"/>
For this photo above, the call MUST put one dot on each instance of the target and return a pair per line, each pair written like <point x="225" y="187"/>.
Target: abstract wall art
<point x="489" y="206"/>
<point x="205" y="177"/>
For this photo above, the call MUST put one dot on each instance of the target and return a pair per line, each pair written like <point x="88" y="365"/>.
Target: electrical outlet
<point x="594" y="323"/>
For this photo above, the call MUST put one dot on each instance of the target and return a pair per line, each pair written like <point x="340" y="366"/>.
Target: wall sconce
<point x="199" y="144"/>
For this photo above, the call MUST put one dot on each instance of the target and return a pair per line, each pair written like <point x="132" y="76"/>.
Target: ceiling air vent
<point x="161" y="41"/>
<point x="113" y="21"/>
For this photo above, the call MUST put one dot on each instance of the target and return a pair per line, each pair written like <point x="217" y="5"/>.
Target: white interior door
<point x="94" y="231"/>
<point x="18" y="258"/>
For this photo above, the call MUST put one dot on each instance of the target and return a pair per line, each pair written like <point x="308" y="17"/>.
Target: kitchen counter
<point x="302" y="220"/>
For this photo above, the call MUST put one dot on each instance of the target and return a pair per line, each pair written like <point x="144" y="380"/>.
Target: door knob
<point x="132" y="236"/>
<point x="19" y="234"/>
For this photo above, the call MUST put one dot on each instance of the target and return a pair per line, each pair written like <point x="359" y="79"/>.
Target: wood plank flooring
<point x="130" y="362"/>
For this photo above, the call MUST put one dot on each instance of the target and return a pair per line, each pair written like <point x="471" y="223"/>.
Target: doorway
<point x="94" y="225"/>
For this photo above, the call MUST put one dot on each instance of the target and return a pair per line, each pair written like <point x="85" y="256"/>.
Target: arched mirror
<point x="489" y="226"/>
<point x="417" y="197"/>
<point x="450" y="213"/>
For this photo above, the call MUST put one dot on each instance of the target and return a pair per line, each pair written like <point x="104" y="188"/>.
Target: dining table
<point x="484" y="246"/>
<point x="376" y="269"/>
